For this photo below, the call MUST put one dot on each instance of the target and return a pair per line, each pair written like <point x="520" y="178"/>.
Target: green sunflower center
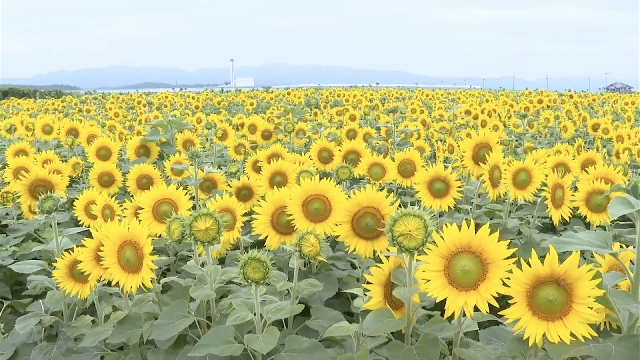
<point x="561" y="169"/>
<point x="130" y="257"/>
<point x="222" y="135"/>
<point x="77" y="274"/>
<point x="143" y="150"/>
<point x="20" y="152"/>
<point x="239" y="149"/>
<point x="106" y="179"/>
<point x="266" y="135"/>
<point x="367" y="223"/>
<point x="205" y="228"/>
<point x="587" y="163"/>
<point x="351" y="134"/>
<point x="465" y="271"/>
<point x="252" y="129"/>
<point x="87" y="210"/>
<point x="557" y="196"/>
<point x="495" y="176"/>
<point x="255" y="271"/>
<point x="377" y="172"/>
<point x="310" y="246"/>
<point x="188" y="144"/>
<point x="597" y="202"/>
<point x="244" y="194"/>
<point x="278" y="180"/>
<point x="144" y="182"/>
<point x="325" y="156"/>
<point x="108" y="213"/>
<point x="207" y="186"/>
<point x="40" y="187"/>
<point x="163" y="209"/>
<point x="521" y="179"/>
<point x="228" y="219"/>
<point x="406" y="168"/>
<point x="316" y="208"/>
<point x="47" y="129"/>
<point x="73" y="132"/>
<point x="256" y="167"/>
<point x="409" y="232"/>
<point x="177" y="172"/>
<point x="280" y="222"/>
<point x="438" y="188"/>
<point x="550" y="300"/>
<point x="480" y="153"/>
<point x="352" y="158"/>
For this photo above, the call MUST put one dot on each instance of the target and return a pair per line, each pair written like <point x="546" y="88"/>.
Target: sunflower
<point x="89" y="135"/>
<point x="563" y="165"/>
<point x="230" y="211"/>
<point x="587" y="159"/>
<point x="83" y="207"/>
<point x="608" y="263"/>
<point x="160" y="203"/>
<point x="523" y="178"/>
<point x="75" y="167"/>
<point x="17" y="168"/>
<point x="493" y="177"/>
<point x="558" y="197"/>
<point x="553" y="300"/>
<point x="142" y="177"/>
<point x="608" y="173"/>
<point x="271" y="221"/>
<point x="253" y="166"/>
<point x="70" y="278"/>
<point x="177" y="167"/>
<point x="44" y="158"/>
<point x="239" y="149"/>
<point x="278" y="174"/>
<point x="314" y="205"/>
<point x="90" y="259"/>
<point x="46" y="128"/>
<point x="361" y="221"/>
<point x="376" y="168"/>
<point x="102" y="150"/>
<point x="351" y="152"/>
<point x="211" y="181"/>
<point x="131" y="210"/>
<point x="592" y="201"/>
<point x="224" y="134"/>
<point x="136" y="149"/>
<point x="465" y="267"/>
<point x="324" y="155"/>
<point x="126" y="255"/>
<point x="107" y="210"/>
<point x="187" y="141"/>
<point x="439" y="188"/>
<point x="19" y="149"/>
<point x="37" y="183"/>
<point x="273" y="153"/>
<point x="408" y="167"/>
<point x="105" y="177"/>
<point x="246" y="191"/>
<point x="380" y="287"/>
<point x="476" y="150"/>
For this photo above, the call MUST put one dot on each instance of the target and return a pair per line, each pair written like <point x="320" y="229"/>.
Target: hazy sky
<point x="525" y="38"/>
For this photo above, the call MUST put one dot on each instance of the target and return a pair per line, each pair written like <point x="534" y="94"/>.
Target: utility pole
<point x="547" y="82"/>
<point x="513" y="83"/>
<point x="606" y="79"/>
<point x="482" y="83"/>
<point x="589" y="84"/>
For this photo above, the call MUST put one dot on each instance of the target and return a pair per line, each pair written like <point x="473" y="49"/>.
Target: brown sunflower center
<point x="325" y="156"/>
<point x="20" y="171"/>
<point x="597" y="202"/>
<point x="106" y="179"/>
<point x="465" y="270"/>
<point x="351" y="134"/>
<point x="480" y="153"/>
<point x="77" y="274"/>
<point x="316" y="208"/>
<point x="188" y="144"/>
<point x="228" y="219"/>
<point x="587" y="163"/>
<point x="239" y="149"/>
<point x="252" y="129"/>
<point x="557" y="196"/>
<point x="273" y="157"/>
<point x="367" y="223"/>
<point x="278" y="180"/>
<point x="266" y="135"/>
<point x="130" y="257"/>
<point x="103" y="153"/>
<point x="40" y="187"/>
<point x="521" y="179"/>
<point x="244" y="194"/>
<point x="208" y="185"/>
<point x="108" y="213"/>
<point x="438" y="188"/>
<point x="163" y="209"/>
<point x="20" y="152"/>
<point x="280" y="222"/>
<point x="406" y="168"/>
<point x="87" y="210"/>
<point x="451" y="149"/>
<point x="550" y="300"/>
<point x="73" y="132"/>
<point x="562" y="169"/>
<point x="393" y="302"/>
<point x="222" y="135"/>
<point x="495" y="176"/>
<point x="91" y="138"/>
<point x="144" y="182"/>
<point x="351" y="157"/>
<point x="142" y="150"/>
<point x="376" y="171"/>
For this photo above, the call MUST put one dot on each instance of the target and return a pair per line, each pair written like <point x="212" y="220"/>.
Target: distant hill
<point x="113" y="77"/>
<point x="156" y="85"/>
<point x="42" y="87"/>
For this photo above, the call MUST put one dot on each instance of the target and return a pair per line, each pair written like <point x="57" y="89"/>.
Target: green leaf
<point x="343" y="328"/>
<point x="427" y="348"/>
<point x="173" y="319"/>
<point x="281" y="310"/>
<point x="480" y="317"/>
<point x="626" y="347"/>
<point x="127" y="330"/>
<point x="623" y="205"/>
<point x="220" y="341"/>
<point x="201" y="293"/>
<point x="265" y="342"/>
<point x="624" y="301"/>
<point x="381" y="321"/>
<point x="239" y="316"/>
<point x="612" y="278"/>
<point x="405" y="294"/>
<point x="49" y="351"/>
<point x="301" y="348"/>
<point x="476" y="352"/>
<point x="322" y="318"/>
<point x="363" y="354"/>
<point x="79" y="326"/>
<point x="97" y="334"/>
<point x="309" y="286"/>
<point x="29" y="266"/>
<point x="28" y="322"/>
<point x="597" y="241"/>
<point x="440" y="327"/>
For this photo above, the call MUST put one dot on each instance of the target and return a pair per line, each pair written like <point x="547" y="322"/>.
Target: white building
<point x="244" y="82"/>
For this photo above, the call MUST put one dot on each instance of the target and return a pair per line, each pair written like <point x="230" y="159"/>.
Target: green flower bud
<point x="205" y="227"/>
<point x="49" y="204"/>
<point x="255" y="268"/>
<point x="409" y="230"/>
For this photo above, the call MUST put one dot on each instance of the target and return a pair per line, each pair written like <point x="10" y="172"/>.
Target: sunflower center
<point x="73" y="132"/>
<point x="587" y="163"/>
<point x="188" y="144"/>
<point x="557" y="196"/>
<point x="130" y="257"/>
<point x="20" y="171"/>
<point x="164" y="209"/>
<point x="207" y="186"/>
<point x="352" y="158"/>
<point x="256" y="167"/>
<point x="316" y="208"/>
<point x="91" y="138"/>
<point x="367" y="223"/>
<point x="47" y="129"/>
<point x="20" y="153"/>
<point x="254" y="270"/>
<point x="244" y="194"/>
<point x="438" y="188"/>
<point x="521" y="179"/>
<point x="40" y="187"/>
<point x="376" y="172"/>
<point x="351" y="134"/>
<point x="177" y="172"/>
<point x="550" y="300"/>
<point x="310" y="246"/>
<point x="393" y="302"/>
<point x="465" y="271"/>
<point x="278" y="180"/>
<point x="77" y="274"/>
<point x="87" y="210"/>
<point x="108" y="213"/>
<point x="597" y="202"/>
<point x="144" y="182"/>
<point x="266" y="135"/>
<point x="205" y="228"/>
<point x="272" y="158"/>
<point x="143" y="150"/>
<point x="406" y="168"/>
<point x="239" y="149"/>
<point x="223" y="135"/>
<point x="252" y="129"/>
<point x="325" y="156"/>
<point x="495" y="176"/>
<point x="280" y="222"/>
<point x="228" y="219"/>
<point x="561" y="169"/>
<point x="480" y="153"/>
<point x="106" y="179"/>
<point x="451" y="149"/>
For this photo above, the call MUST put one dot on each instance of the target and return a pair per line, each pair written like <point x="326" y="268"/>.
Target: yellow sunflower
<point x="37" y="183"/>
<point x="271" y="221"/>
<point x="361" y="221"/>
<point x="476" y="150"/>
<point x="230" y="211"/>
<point x="126" y="255"/>
<point x="19" y="149"/>
<point x="142" y="177"/>
<point x="408" y="167"/>
<point x="211" y="181"/>
<point x="324" y="155"/>
<point x="523" y="179"/>
<point x="558" y="197"/>
<point x="376" y="168"/>
<point x="70" y="278"/>
<point x="553" y="300"/>
<point x="186" y="141"/>
<point x="493" y="176"/>
<point x="136" y="148"/>
<point x="90" y="258"/>
<point x="592" y="201"/>
<point x="105" y="177"/>
<point x="177" y="167"/>
<point x="246" y="191"/>
<point x="107" y="210"/>
<point x="253" y="166"/>
<point x="351" y="152"/>
<point x="608" y="263"/>
<point x="562" y="165"/>
<point x="466" y="267"/>
<point x="83" y="207"/>
<point x="160" y="203"/>
<point x="439" y="188"/>
<point x="314" y="205"/>
<point x="17" y="168"/>
<point x="102" y="150"/>
<point x="239" y="149"/>
<point x="608" y="173"/>
<point x="278" y="174"/>
<point x="380" y="287"/>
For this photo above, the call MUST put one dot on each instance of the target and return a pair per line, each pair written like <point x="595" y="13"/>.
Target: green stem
<point x="195" y="186"/>
<point x="65" y="312"/>
<point x="99" y="312"/>
<point x="212" y="302"/>
<point x="258" y="321"/>
<point x="635" y="283"/>
<point x="409" y="315"/>
<point x="294" y="288"/>
<point x="536" y="352"/>
<point x="56" y="238"/>
<point x="507" y="207"/>
<point x="196" y="257"/>
<point x="157" y="295"/>
<point x="127" y="304"/>
<point x="457" y="337"/>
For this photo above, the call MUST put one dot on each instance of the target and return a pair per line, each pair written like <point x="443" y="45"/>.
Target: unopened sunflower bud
<point x="49" y="204"/>
<point x="409" y="230"/>
<point x="255" y="268"/>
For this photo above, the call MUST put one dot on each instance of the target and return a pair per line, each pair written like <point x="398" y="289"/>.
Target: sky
<point x="486" y="38"/>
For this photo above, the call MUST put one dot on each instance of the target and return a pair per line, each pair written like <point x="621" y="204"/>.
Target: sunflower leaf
<point x="265" y="342"/>
<point x="381" y="321"/>
<point x="597" y="241"/>
<point x="342" y="328"/>
<point x="623" y="205"/>
<point x="220" y="341"/>
<point x="172" y="320"/>
<point x="301" y="348"/>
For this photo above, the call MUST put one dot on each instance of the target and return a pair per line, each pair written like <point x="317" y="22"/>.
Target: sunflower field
<point x="350" y="224"/>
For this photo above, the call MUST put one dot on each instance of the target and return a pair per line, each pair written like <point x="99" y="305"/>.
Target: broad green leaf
<point x="405" y="294"/>
<point x="49" y="351"/>
<point x="440" y="327"/>
<point x="322" y="318"/>
<point x="239" y="316"/>
<point x="28" y="322"/>
<point x="127" y="330"/>
<point x="220" y="341"/>
<point x="29" y="266"/>
<point x="363" y="354"/>
<point x="623" y="205"/>
<point x="343" y="328"/>
<point x="597" y="241"/>
<point x="611" y="278"/>
<point x="301" y="348"/>
<point x="626" y="347"/>
<point x="281" y="310"/>
<point x="381" y="321"/>
<point x="624" y="301"/>
<point x="265" y="342"/>
<point x="427" y="348"/>
<point x="309" y="286"/>
<point x="97" y="334"/>
<point x="480" y="317"/>
<point x="79" y="326"/>
<point x="173" y="319"/>
<point x="476" y="352"/>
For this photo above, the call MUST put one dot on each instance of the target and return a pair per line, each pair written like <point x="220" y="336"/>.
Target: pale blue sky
<point x="528" y="39"/>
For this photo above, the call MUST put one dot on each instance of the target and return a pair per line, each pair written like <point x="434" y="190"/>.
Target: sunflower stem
<point x="456" y="338"/>
<point x="212" y="302"/>
<point x="507" y="207"/>
<point x="195" y="182"/>
<point x="536" y="352"/>
<point x="409" y="315"/>
<point x="127" y="304"/>
<point x="196" y="257"/>
<point x="56" y="239"/>
<point x="294" y="288"/>
<point x="96" y="303"/>
<point x="635" y="282"/>
<point x="257" y="320"/>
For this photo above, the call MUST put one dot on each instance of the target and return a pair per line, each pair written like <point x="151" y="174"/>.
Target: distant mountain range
<point x="135" y="77"/>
